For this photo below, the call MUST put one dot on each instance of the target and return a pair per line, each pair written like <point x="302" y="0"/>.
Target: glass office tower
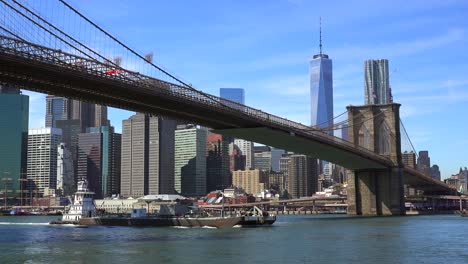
<point x="233" y="94"/>
<point x="376" y="82"/>
<point x="246" y="147"/>
<point x="14" y="111"/>
<point x="321" y="91"/>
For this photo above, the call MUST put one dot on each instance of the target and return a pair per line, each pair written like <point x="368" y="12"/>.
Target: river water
<point x="292" y="239"/>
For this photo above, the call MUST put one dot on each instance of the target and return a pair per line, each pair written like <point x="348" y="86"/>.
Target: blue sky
<point x="265" y="47"/>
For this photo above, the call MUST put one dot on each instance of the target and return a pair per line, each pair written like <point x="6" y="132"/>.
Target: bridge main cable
<point x="136" y="53"/>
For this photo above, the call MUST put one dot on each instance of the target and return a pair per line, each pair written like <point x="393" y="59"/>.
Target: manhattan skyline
<point x="266" y="50"/>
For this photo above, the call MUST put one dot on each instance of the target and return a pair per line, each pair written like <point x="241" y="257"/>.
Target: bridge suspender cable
<point x="409" y="139"/>
<point x="50" y="32"/>
<point x="326" y="122"/>
<point x="60" y="31"/>
<point x="138" y="55"/>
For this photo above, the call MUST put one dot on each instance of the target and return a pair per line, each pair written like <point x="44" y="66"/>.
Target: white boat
<point x="82" y="206"/>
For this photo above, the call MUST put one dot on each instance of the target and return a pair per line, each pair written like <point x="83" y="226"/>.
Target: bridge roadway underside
<point x="55" y="79"/>
<point x="302" y="145"/>
<point x="430" y="186"/>
<point x="46" y="76"/>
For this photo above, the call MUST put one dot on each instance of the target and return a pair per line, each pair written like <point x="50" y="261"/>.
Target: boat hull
<point x="257" y="220"/>
<point x="217" y="222"/>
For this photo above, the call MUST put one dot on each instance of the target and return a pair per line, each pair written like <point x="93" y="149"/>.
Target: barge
<point x="82" y="212"/>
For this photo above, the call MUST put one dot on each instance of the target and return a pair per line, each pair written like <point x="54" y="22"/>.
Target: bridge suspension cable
<point x="137" y="54"/>
<point x="63" y="37"/>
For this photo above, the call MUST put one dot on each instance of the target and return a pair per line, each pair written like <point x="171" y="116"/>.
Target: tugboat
<point x="82" y="213"/>
<point x="83" y="206"/>
<point x="257" y="217"/>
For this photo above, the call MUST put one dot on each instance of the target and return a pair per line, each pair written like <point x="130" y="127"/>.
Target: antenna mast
<point x="320" y="36"/>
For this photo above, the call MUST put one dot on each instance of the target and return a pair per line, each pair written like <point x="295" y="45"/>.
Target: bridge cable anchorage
<point x="210" y="97"/>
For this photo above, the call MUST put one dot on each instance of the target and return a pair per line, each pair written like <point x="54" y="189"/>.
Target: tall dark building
<point x="70" y="130"/>
<point x="435" y="172"/>
<point x="147" y="155"/>
<point x="57" y="108"/>
<point x="90" y="115"/>
<point x="73" y="117"/>
<point x="409" y="159"/>
<point x="218" y="174"/>
<point x="424" y="163"/>
<point x="303" y="176"/>
<point x="14" y="113"/>
<point x="98" y="160"/>
<point x="90" y="161"/>
<point x="115" y="153"/>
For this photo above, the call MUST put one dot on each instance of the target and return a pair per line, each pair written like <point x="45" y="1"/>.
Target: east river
<point x="292" y="239"/>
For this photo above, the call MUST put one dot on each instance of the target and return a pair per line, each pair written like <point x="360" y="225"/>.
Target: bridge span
<point x="376" y="171"/>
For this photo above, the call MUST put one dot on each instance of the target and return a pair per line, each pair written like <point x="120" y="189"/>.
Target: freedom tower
<point x="321" y="89"/>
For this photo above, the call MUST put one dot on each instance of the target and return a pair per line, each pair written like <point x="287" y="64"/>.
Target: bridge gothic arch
<point x="383" y="138"/>
<point x="364" y="137"/>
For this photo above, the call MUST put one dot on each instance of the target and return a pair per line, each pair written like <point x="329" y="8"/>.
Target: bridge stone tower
<point x="376" y="191"/>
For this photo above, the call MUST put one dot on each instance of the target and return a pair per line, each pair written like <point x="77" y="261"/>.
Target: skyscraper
<point x="321" y="89"/>
<point x="70" y="130"/>
<point x="43" y="146"/>
<point x="376" y="82"/>
<point x="276" y="155"/>
<point x="147" y="155"/>
<point x="236" y="159"/>
<point x="409" y="159"/>
<point x="424" y="163"/>
<point x="233" y="94"/>
<point x="303" y="176"/>
<point x="90" y="115"/>
<point x="251" y="181"/>
<point x="218" y="174"/>
<point x="14" y="111"/>
<point x="435" y="172"/>
<point x="57" y="108"/>
<point x="190" y="160"/>
<point x="99" y="160"/>
<point x="85" y="112"/>
<point x="246" y="147"/>
<point x="65" y="172"/>
<point x="263" y="161"/>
